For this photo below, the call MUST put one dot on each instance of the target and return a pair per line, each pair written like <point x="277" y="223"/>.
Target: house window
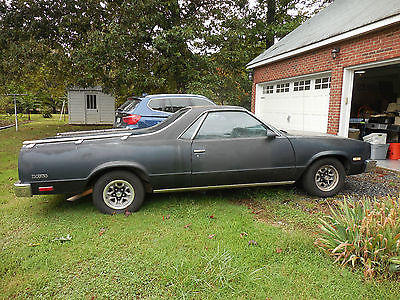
<point x="322" y="83"/>
<point x="303" y="85"/>
<point x="91" y="102"/>
<point x="282" y="88"/>
<point x="268" y="89"/>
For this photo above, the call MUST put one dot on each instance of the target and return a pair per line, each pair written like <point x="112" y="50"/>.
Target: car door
<point x="232" y="147"/>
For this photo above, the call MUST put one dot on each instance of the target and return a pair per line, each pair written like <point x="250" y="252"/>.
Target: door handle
<point x="197" y="151"/>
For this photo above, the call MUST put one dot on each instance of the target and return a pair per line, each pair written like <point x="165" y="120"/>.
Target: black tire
<point x="324" y="178"/>
<point x="118" y="192"/>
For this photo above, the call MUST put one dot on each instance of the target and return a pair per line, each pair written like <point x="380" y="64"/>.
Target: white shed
<point x="90" y="106"/>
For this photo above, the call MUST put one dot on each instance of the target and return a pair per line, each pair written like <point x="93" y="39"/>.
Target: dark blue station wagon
<point x="147" y="111"/>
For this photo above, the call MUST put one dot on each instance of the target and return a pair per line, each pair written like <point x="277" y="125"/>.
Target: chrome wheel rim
<point x="118" y="194"/>
<point x="327" y="178"/>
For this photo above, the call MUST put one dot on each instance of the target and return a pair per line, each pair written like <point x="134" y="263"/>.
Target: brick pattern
<point x="376" y="46"/>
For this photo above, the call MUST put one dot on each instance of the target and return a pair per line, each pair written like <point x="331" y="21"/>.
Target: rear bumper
<point x="22" y="189"/>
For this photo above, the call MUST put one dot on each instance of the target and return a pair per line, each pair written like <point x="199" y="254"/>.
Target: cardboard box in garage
<point x="354" y="133"/>
<point x="393" y="107"/>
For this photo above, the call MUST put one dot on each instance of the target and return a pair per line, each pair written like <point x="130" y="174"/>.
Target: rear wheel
<point x="324" y="178"/>
<point x="117" y="192"/>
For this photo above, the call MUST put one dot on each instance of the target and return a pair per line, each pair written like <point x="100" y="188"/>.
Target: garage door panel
<point x="316" y="105"/>
<point x="315" y="123"/>
<point x="284" y="120"/>
<point x="276" y="119"/>
<point x="295" y="110"/>
<point x="282" y="104"/>
<point x="294" y="104"/>
<point x="294" y="121"/>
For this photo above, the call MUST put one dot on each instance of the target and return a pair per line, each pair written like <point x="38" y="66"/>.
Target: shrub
<point x="366" y="233"/>
<point x="46" y="112"/>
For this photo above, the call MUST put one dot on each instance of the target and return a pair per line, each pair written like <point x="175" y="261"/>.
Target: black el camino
<point x="196" y="148"/>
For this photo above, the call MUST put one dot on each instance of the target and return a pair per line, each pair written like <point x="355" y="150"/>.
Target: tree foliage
<point x="131" y="47"/>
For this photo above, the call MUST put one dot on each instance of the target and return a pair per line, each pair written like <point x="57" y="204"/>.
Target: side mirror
<point x="271" y="135"/>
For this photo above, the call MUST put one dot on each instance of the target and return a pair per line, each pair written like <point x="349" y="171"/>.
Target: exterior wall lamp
<point x="335" y="52"/>
<point x="251" y="75"/>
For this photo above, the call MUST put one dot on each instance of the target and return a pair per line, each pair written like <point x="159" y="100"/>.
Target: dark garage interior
<point x="375" y="106"/>
<point x="374" y="89"/>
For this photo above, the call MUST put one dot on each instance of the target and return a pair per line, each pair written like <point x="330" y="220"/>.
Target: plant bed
<point x="364" y="233"/>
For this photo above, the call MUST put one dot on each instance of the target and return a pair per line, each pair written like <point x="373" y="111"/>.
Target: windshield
<point x="172" y="118"/>
<point x="129" y="104"/>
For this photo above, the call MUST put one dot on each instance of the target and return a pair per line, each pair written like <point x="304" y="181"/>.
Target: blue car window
<point x="229" y="125"/>
<point x="131" y="106"/>
<point x="160" y="104"/>
<point x="178" y="103"/>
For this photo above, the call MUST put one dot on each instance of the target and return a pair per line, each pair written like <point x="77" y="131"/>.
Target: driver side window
<point x="230" y="125"/>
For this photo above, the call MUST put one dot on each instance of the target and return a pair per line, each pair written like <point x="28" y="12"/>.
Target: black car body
<point x="196" y="148"/>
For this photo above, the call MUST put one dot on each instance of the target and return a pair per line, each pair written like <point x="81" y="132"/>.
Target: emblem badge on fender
<point x="39" y="176"/>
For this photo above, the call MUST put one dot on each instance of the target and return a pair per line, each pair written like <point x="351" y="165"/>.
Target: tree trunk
<point x="271" y="12"/>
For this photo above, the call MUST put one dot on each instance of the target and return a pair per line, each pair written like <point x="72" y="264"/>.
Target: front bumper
<point x="22" y="189"/>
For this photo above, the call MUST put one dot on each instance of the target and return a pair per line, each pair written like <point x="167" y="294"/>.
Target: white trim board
<point x="347" y="91"/>
<point x="350" y="34"/>
<point x="286" y="79"/>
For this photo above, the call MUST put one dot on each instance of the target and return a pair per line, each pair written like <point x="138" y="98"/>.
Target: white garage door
<point x="296" y="104"/>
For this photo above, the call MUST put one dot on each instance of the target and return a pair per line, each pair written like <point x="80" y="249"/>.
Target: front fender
<point x="343" y="157"/>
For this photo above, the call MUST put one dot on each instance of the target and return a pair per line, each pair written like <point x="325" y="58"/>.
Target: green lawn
<point x="153" y="254"/>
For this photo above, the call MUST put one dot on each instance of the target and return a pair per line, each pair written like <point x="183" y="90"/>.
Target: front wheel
<point x="324" y="178"/>
<point x="117" y="192"/>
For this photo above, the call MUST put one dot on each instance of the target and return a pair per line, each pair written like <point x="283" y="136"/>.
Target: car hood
<point x="309" y="134"/>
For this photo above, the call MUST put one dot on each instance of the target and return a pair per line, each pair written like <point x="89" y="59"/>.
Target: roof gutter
<point x="350" y="34"/>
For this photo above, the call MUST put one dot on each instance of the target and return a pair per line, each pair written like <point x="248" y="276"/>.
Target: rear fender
<point x="136" y="168"/>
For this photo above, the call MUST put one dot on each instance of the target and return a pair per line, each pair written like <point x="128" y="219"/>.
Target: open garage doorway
<point x="375" y="106"/>
<point x="374" y="89"/>
<point x="375" y="102"/>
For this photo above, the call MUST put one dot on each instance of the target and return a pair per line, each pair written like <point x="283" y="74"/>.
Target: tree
<point x="240" y="34"/>
<point x="28" y="104"/>
<point x="131" y="47"/>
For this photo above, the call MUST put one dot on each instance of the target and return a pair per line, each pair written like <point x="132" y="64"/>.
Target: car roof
<point x="200" y="109"/>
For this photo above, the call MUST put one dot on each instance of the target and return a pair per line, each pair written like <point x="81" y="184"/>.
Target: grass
<point x="154" y="254"/>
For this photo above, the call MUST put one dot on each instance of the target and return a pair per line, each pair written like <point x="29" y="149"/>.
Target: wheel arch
<point x="132" y="167"/>
<point x="339" y="155"/>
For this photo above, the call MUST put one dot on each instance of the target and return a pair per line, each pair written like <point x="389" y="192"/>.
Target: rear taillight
<point x="131" y="119"/>
<point x="46" y="188"/>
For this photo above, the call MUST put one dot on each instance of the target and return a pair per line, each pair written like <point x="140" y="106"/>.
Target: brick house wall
<point x="376" y="46"/>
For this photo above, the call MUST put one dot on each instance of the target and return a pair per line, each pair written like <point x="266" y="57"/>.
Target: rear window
<point x="129" y="104"/>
